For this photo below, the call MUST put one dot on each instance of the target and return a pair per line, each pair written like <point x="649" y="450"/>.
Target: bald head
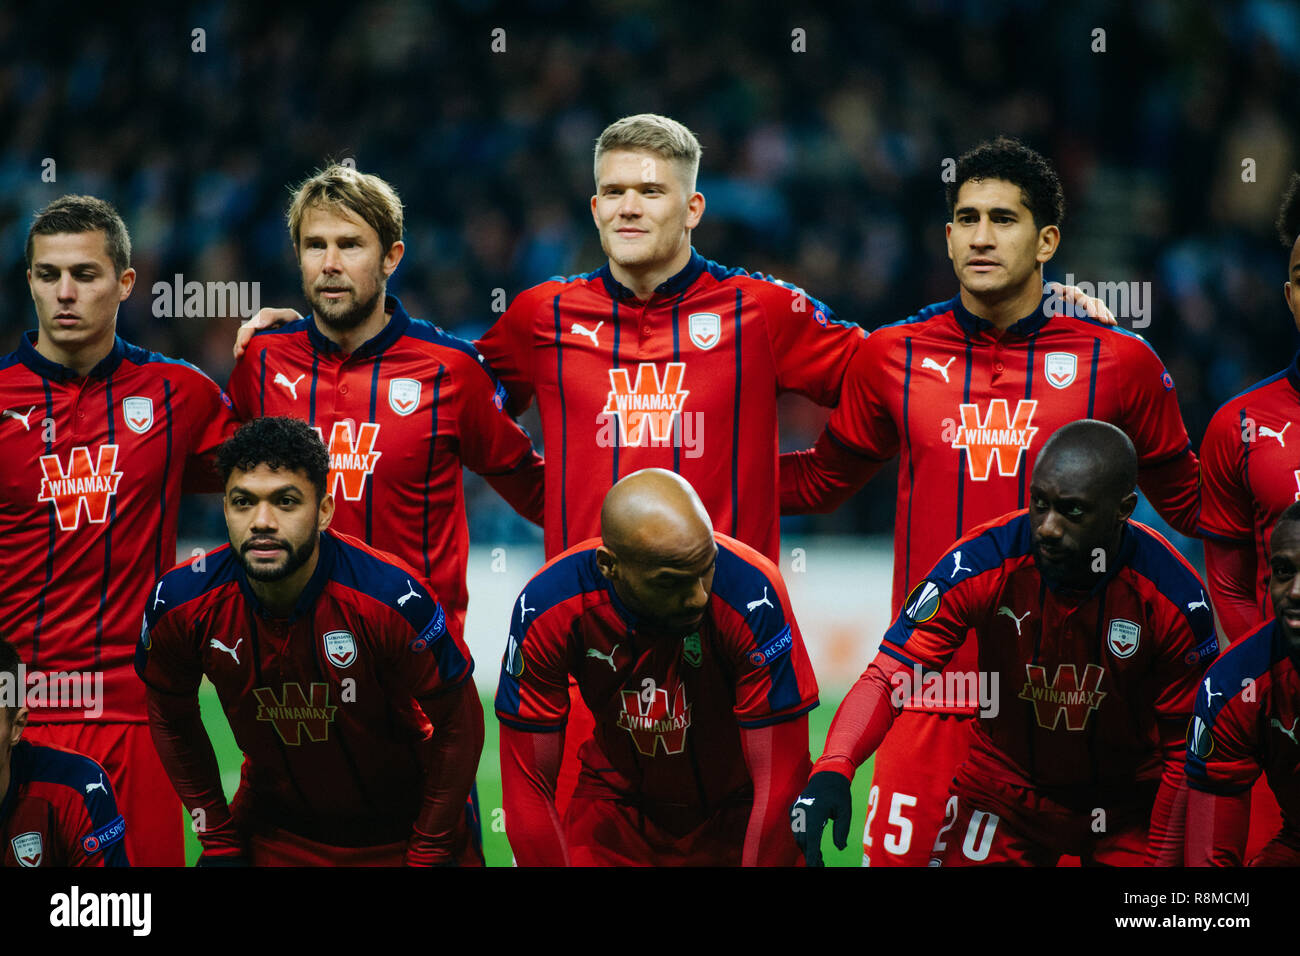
<point x="654" y="514"/>
<point x="1096" y="454"/>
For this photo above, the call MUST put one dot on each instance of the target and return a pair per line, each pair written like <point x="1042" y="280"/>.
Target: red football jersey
<point x="323" y="704"/>
<point x="400" y="416"/>
<point x="1083" y="680"/>
<point x="1249" y="474"/>
<point x="668" y="711"/>
<point x="94" y="470"/>
<point x="59" y="811"/>
<point x="686" y="381"/>
<point x="967" y="409"/>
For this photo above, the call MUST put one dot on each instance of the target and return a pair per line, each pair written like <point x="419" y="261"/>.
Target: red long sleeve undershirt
<point x="1230" y="575"/>
<point x="1174" y="490"/>
<point x="1217" y="827"/>
<point x="819" y="480"/>
<point x="530" y="765"/>
<point x="524" y="489"/>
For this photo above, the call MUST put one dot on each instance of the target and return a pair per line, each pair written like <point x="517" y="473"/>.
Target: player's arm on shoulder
<point x="268" y="318"/>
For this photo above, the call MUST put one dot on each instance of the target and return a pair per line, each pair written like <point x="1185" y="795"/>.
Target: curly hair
<point x="1011" y="160"/>
<point x="279" y="443"/>
<point x="1288" y="216"/>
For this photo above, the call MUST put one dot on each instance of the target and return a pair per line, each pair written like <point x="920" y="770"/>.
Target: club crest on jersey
<point x="340" y="648"/>
<point x="692" y="652"/>
<point x="1060" y="368"/>
<point x="999" y="435"/>
<point x="705" y="329"/>
<point x="651" y="721"/>
<point x="923" y="603"/>
<point x="293" y="711"/>
<point x="403" y="395"/>
<point x="1122" y="638"/>
<point x="1064" y="695"/>
<point x="28" y="848"/>
<point x="137" y="412"/>
<point x="83" y="484"/>
<point x="351" y="462"/>
<point x="648" y="408"/>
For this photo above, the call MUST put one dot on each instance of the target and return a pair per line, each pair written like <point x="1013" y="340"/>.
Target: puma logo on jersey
<point x="1269" y="433"/>
<point x="760" y="602"/>
<point x="1210" y="694"/>
<point x="999" y="435"/>
<point x="928" y="362"/>
<point x="1006" y="611"/>
<point x="607" y="658"/>
<point x="1290" y="733"/>
<point x="97" y="786"/>
<point x="10" y="413"/>
<point x="648" y="408"/>
<point x="524" y="609"/>
<point x="157" y="596"/>
<point x="218" y="646"/>
<point x="579" y="329"/>
<point x="410" y="593"/>
<point x="351" y="463"/>
<point x="85" y="484"/>
<point x="956" y="564"/>
<point x="1192" y="606"/>
<point x="808" y="800"/>
<point x="282" y="379"/>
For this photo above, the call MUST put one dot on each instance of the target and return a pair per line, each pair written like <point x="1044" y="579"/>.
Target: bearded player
<point x="99" y="439"/>
<point x="348" y="693"/>
<point x="966" y="392"/>
<point x="688" y="655"/>
<point x="1094" y="635"/>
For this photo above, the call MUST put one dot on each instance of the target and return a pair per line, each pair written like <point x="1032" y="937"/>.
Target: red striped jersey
<point x="59" y="811"/>
<point x="668" y="710"/>
<point x="686" y="381"/>
<point x="1249" y="474"/>
<point x="967" y="410"/>
<point x="1083" y="679"/>
<point x="94" y="470"/>
<point x="1247" y="719"/>
<point x="400" y="416"/>
<point x="323" y="703"/>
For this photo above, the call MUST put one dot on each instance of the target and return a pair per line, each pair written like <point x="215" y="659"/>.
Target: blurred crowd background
<point x="821" y="166"/>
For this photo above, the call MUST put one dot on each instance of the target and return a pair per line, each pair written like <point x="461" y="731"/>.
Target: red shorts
<point x="1018" y="826"/>
<point x="580" y="728"/>
<point x="155" y="818"/>
<point x="910" y="782"/>
<point x="606" y="832"/>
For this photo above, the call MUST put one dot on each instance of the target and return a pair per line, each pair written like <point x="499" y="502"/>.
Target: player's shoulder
<point x="568" y="575"/>
<point x="460" y="357"/>
<point x="280" y="337"/>
<point x="368" y="569"/>
<point x="935" y="319"/>
<point x="751" y="585"/>
<point x="1126" y="343"/>
<point x="191" y="580"/>
<point x="989" y="545"/>
<point x="1280" y="385"/>
<point x="43" y="763"/>
<point x="177" y="370"/>
<point x="1239" y="670"/>
<point x="1154" y="557"/>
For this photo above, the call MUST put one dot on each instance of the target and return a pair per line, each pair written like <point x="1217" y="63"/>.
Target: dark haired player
<point x="1245" y="727"/>
<point x="349" y="695"/>
<point x="688" y="655"/>
<point x="99" y="439"/>
<point x="966" y="392"/>
<point x="1099" y="635"/>
<point x="1250" y="477"/>
<point x="56" y="806"/>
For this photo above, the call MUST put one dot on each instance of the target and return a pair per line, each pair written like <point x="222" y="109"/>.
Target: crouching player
<point x="685" y="649"/>
<point x="1094" y="634"/>
<point x="1247" y="712"/>
<point x="56" y="805"/>
<point x="350" y="698"/>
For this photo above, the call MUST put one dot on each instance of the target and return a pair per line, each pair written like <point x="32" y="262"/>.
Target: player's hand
<point x="207" y="859"/>
<point x="826" y="797"/>
<point x="1072" y="296"/>
<point x="264" y="319"/>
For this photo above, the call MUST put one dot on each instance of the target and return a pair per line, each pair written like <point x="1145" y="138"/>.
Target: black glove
<point x="206" y="859"/>
<point x="826" y="797"/>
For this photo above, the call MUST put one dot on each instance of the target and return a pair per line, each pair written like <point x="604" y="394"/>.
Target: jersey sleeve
<point x="1225" y="500"/>
<point x="93" y="828"/>
<point x="1189" y="643"/>
<point x="209" y="421"/>
<point x="533" y="691"/>
<point x="243" y="385"/>
<point x="508" y="348"/>
<point x="1222" y="739"/>
<point x="811" y="347"/>
<point x="167" y="657"/>
<point x="491" y="442"/>
<point x="862" y="423"/>
<point x="422" y="653"/>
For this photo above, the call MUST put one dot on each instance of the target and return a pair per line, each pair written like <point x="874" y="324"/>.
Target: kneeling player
<point x="1093" y="633"/>
<point x="350" y="698"/>
<point x="685" y="649"/>
<point x="1245" y="725"/>
<point x="56" y="805"/>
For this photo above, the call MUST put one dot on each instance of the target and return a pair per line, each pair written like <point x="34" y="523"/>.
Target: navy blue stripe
<point x="1245" y="460"/>
<point x="261" y="385"/>
<point x="108" y="539"/>
<point x="49" y="549"/>
<point x="911" y="478"/>
<point x="311" y="408"/>
<point x="961" y="456"/>
<point x="1092" y="382"/>
<point x="679" y="425"/>
<point x="162" y="485"/>
<point x="735" y="429"/>
<point x="564" y="429"/>
<point x="428" y="468"/>
<point x="370" y="479"/>
<point x="617" y="431"/>
<point x="1029" y="392"/>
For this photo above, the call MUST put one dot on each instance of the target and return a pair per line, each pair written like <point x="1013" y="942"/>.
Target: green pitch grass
<point x="495" y="845"/>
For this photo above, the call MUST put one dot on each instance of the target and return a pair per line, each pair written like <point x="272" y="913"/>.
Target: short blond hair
<point x="656" y="134"/>
<point x="366" y="196"/>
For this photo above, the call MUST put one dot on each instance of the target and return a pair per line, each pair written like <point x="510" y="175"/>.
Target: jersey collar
<point x="45" y="368"/>
<point x="315" y="585"/>
<point x="674" y="286"/>
<point x="1293" y="372"/>
<point x="974" y="325"/>
<point x="389" y="334"/>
